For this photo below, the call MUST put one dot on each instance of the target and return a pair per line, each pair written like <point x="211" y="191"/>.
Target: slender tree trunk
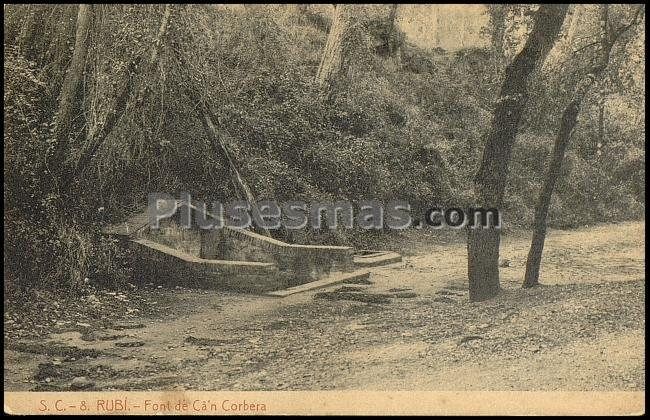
<point x="601" y="122"/>
<point x="389" y="35"/>
<point x="499" y="34"/>
<point x="30" y="28"/>
<point x="155" y="50"/>
<point x="220" y="147"/>
<point x="95" y="141"/>
<point x="332" y="60"/>
<point x="216" y="136"/>
<point x="70" y="87"/>
<point x="27" y="31"/>
<point x="569" y="118"/>
<point x="575" y="19"/>
<point x="605" y="49"/>
<point x="483" y="243"/>
<point x="437" y="31"/>
<point x="564" y="136"/>
<point x="162" y="30"/>
<point x="461" y="33"/>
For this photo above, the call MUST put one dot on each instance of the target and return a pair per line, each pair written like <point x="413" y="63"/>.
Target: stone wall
<point x="161" y="264"/>
<point x="300" y="263"/>
<point x="305" y="262"/>
<point x="229" y="258"/>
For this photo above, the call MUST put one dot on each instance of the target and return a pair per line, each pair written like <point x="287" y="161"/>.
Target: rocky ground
<point x="410" y="327"/>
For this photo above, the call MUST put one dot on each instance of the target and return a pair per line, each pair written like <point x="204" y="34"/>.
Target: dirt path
<point x="584" y="330"/>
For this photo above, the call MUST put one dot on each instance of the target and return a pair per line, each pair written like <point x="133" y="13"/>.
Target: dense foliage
<point x="410" y="131"/>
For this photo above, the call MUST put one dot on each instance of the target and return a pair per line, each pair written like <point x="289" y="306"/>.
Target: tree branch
<point x="620" y="31"/>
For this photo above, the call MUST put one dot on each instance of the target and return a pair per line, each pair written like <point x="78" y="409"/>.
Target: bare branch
<point x="584" y="47"/>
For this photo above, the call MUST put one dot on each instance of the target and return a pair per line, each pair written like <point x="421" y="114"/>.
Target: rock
<point x="469" y="338"/>
<point x="360" y="297"/>
<point x="405" y="295"/>
<point x="129" y="344"/>
<point x="504" y="263"/>
<point x="448" y="293"/>
<point x="81" y="382"/>
<point x="443" y="299"/>
<point x="127" y="326"/>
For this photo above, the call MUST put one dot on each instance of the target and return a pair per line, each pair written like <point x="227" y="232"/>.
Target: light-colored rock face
<point x="447" y="26"/>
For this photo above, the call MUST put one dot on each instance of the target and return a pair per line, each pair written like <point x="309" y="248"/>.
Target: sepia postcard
<point x="359" y="209"/>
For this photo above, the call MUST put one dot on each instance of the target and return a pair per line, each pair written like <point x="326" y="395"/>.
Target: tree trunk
<point x="162" y="30"/>
<point x="332" y="60"/>
<point x="28" y="31"/>
<point x="220" y="147"/>
<point x="70" y="87"/>
<point x="575" y="19"/>
<point x="499" y="34"/>
<point x="216" y="136"/>
<point x="605" y="49"/>
<point x="437" y="32"/>
<point x="95" y="141"/>
<point x="569" y="118"/>
<point x="389" y="36"/>
<point x="483" y="243"/>
<point x="483" y="263"/>
<point x="601" y="122"/>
